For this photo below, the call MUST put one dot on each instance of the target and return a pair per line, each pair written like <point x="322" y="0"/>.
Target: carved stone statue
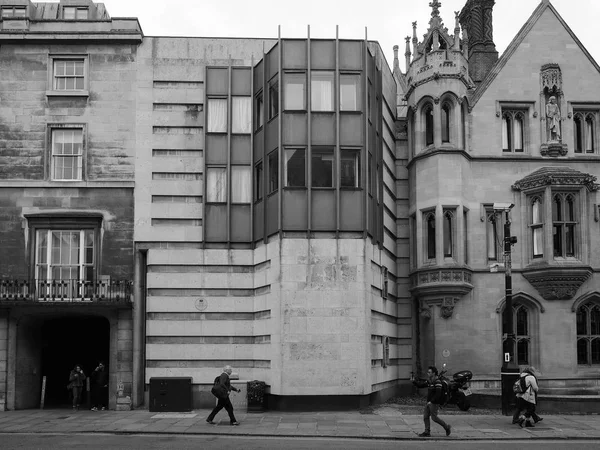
<point x="553" y="119"/>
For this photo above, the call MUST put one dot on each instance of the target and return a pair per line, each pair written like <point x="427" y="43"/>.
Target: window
<point x="273" y="98"/>
<point x="349" y="92"/>
<point x="322" y="168"/>
<point x="350" y="169"/>
<point x="294" y="94"/>
<point x="564" y="225"/>
<point x="241" y="115"/>
<point x="513" y="126"/>
<point x="588" y="334"/>
<point x="384" y="283"/>
<point x="446" y="110"/>
<point x="295" y="167"/>
<point x="385" y="360"/>
<point x="430" y="235"/>
<point x="217" y="115"/>
<point x="259" y="110"/>
<point x="522" y="344"/>
<point x="537" y="227"/>
<point x="273" y="171"/>
<point x="67" y="255"/>
<point x="258" y="181"/>
<point x="585" y="132"/>
<point x="428" y="120"/>
<point x="321" y="86"/>
<point x="494" y="235"/>
<point x="216" y="185"/>
<point x="448" y="233"/>
<point x="14" y="11"/>
<point x="466" y="235"/>
<point x="67" y="154"/>
<point x="241" y="184"/>
<point x="74" y="12"/>
<point x="68" y="74"/>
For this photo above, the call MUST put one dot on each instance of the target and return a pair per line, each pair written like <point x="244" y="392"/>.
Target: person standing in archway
<point x="76" y="383"/>
<point x="99" y="387"/>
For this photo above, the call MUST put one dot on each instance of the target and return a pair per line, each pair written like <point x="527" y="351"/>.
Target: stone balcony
<point x="437" y="64"/>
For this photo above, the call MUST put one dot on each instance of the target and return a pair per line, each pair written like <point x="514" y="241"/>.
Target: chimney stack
<point x="476" y="19"/>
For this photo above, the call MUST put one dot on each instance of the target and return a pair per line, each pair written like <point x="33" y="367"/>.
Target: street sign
<point x="507" y="357"/>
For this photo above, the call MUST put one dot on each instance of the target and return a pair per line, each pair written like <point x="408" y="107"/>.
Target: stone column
<point x="437" y="123"/>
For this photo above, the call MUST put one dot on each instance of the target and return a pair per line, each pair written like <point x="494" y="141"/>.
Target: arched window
<point x="522" y="327"/>
<point x="430" y="221"/>
<point x="448" y="232"/>
<point x="513" y="131"/>
<point x="564" y="225"/>
<point x="428" y="119"/>
<point x="494" y="234"/>
<point x="537" y="228"/>
<point x="584" y="128"/>
<point x="588" y="334"/>
<point x="446" y="110"/>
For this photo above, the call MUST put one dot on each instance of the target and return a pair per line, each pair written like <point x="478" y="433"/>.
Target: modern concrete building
<point x="295" y="208"/>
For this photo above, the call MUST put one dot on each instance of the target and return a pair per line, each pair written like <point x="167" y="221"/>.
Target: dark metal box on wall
<point x="170" y="394"/>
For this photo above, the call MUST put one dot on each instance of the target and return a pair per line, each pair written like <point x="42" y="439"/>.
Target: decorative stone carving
<point x="447" y="307"/>
<point x="436" y="100"/>
<point x="553" y="120"/>
<point x="425" y="313"/>
<point x="441" y="281"/>
<point x="554" y="149"/>
<point x="551" y="77"/>
<point x="560" y="176"/>
<point x="557" y="283"/>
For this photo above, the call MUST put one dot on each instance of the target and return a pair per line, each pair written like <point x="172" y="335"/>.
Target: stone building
<point x="518" y="129"/>
<point x="295" y="208"/>
<point x="67" y="163"/>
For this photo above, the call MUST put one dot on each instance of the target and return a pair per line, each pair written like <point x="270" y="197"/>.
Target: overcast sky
<point x="387" y="21"/>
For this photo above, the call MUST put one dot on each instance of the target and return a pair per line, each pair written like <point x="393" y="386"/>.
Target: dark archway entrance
<point x="68" y="341"/>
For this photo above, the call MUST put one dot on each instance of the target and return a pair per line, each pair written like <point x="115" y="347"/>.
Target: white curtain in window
<point x="589" y="140"/>
<point x="241" y="184"/>
<point x="322" y="92"/>
<point x="518" y="133"/>
<point x="349" y="93"/>
<point x="241" y="114"/>
<point x="217" y="115"/>
<point x="505" y="124"/>
<point x="216" y="185"/>
<point x="491" y="240"/>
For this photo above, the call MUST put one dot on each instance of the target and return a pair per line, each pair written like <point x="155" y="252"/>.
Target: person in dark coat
<point x="526" y="401"/>
<point x="224" y="386"/>
<point x="99" y="387"/>
<point x="434" y="400"/>
<point x="76" y="383"/>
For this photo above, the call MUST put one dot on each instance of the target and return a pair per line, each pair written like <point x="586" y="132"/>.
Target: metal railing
<point x="65" y="291"/>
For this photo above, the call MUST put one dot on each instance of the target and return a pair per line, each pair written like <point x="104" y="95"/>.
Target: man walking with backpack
<point x="221" y="389"/>
<point x="435" y="398"/>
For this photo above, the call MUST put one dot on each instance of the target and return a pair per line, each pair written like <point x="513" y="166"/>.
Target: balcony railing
<point x="66" y="291"/>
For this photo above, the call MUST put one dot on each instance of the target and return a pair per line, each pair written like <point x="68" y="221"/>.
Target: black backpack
<point x="218" y="390"/>
<point x="520" y="386"/>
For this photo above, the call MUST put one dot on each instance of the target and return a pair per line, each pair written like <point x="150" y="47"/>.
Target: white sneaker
<point x="103" y="408"/>
<point x="94" y="409"/>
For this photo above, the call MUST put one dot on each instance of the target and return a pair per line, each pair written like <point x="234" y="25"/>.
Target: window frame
<point x="588" y="336"/>
<point x="430" y="240"/>
<point x="258" y="184"/>
<point x="565" y="223"/>
<point x="324" y="150"/>
<point x="536" y="226"/>
<point x="273" y="172"/>
<point x="449" y="216"/>
<point x="234" y="198"/>
<point x="52" y="90"/>
<point x="356" y="158"/>
<point x="287" y="77"/>
<point x="580" y="137"/>
<point x="209" y="113"/>
<point x="330" y="78"/>
<point x="82" y="167"/>
<point x="237" y="128"/>
<point x="259" y="110"/>
<point x="225" y="185"/>
<point x="494" y="226"/>
<point x="520" y="338"/>
<point x="358" y="97"/>
<point x="286" y="174"/>
<point x="446" y="126"/>
<point x="273" y="104"/>
<point x="13" y="8"/>
<point x="76" y="9"/>
<point x="515" y="115"/>
<point x="427" y="118"/>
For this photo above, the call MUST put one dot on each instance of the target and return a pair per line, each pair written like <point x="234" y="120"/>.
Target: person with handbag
<point x="221" y="389"/>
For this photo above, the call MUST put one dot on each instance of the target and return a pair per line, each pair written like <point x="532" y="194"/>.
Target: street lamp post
<point x="509" y="371"/>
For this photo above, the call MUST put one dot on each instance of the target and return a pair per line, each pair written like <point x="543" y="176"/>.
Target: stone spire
<point x="476" y="20"/>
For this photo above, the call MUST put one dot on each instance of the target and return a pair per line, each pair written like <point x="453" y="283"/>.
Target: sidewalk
<point x="385" y="423"/>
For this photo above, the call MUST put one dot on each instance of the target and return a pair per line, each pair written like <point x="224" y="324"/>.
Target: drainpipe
<point x="139" y="328"/>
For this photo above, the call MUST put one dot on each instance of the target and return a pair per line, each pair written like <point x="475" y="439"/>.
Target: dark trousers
<point x="223" y="403"/>
<point x="431" y="410"/>
<point x="525" y="409"/>
<point x="76" y="390"/>
<point x="99" y="396"/>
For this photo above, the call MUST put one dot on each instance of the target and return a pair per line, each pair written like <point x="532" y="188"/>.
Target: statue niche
<point x="552" y="98"/>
